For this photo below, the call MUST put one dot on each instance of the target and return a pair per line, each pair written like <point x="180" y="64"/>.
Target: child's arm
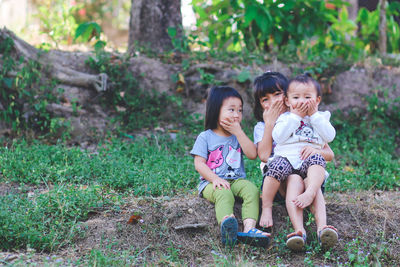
<point x="248" y="147"/>
<point x="205" y="171"/>
<point x="320" y="122"/>
<point x="326" y="152"/>
<point x="264" y="147"/>
<point x="286" y="124"/>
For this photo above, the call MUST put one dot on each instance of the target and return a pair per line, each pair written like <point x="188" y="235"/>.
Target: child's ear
<point x="318" y="100"/>
<point x="286" y="101"/>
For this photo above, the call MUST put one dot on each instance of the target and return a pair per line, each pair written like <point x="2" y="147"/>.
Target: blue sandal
<point x="254" y="237"/>
<point x="229" y="230"/>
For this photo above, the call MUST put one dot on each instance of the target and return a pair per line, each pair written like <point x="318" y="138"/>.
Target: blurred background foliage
<point x="299" y="29"/>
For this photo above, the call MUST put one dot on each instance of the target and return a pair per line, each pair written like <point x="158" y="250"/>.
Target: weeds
<point x="146" y="167"/>
<point x="45" y="221"/>
<point x="368" y="150"/>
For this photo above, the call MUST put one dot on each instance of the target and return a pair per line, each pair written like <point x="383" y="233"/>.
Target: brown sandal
<point x="328" y="236"/>
<point x="296" y="241"/>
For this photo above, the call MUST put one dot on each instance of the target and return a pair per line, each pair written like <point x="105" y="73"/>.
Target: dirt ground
<point x="182" y="230"/>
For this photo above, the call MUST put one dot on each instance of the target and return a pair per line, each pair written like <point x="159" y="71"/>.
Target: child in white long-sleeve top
<point x="302" y="126"/>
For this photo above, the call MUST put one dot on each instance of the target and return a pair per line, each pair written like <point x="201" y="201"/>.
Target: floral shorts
<point x="280" y="168"/>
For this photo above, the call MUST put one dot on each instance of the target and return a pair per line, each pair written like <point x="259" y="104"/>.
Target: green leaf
<point x="244" y="76"/>
<point x="171" y="32"/>
<point x="8" y="82"/>
<point x="87" y="31"/>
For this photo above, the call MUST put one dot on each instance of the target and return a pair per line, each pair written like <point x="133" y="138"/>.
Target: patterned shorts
<point x="280" y="168"/>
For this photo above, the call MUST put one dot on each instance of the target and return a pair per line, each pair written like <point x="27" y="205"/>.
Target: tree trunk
<point x="352" y="9"/>
<point x="382" y="27"/>
<point x="150" y="21"/>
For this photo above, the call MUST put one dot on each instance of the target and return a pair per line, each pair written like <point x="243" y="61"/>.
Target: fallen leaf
<point x="134" y="219"/>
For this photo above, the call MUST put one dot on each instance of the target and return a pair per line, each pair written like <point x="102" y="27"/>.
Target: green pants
<point x="224" y="199"/>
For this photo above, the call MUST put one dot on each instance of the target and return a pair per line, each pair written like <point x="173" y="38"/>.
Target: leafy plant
<point x="369" y="29"/>
<point x="25" y="95"/>
<point x="58" y="21"/>
<point x="89" y="30"/>
<point x="135" y="108"/>
<point x="260" y="25"/>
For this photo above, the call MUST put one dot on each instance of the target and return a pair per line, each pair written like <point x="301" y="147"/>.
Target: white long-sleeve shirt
<point x="291" y="133"/>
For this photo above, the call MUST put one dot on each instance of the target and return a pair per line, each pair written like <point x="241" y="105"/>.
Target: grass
<point x="149" y="166"/>
<point x="68" y="183"/>
<point x="45" y="221"/>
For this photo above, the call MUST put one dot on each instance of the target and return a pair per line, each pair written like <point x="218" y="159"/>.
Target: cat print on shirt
<point x="306" y="132"/>
<point x="233" y="159"/>
<point x="215" y="158"/>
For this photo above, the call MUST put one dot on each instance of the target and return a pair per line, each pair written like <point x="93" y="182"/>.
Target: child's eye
<point x="240" y="110"/>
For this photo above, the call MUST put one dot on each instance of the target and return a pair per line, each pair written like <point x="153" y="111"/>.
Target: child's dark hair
<point x="305" y="79"/>
<point x="267" y="83"/>
<point x="216" y="96"/>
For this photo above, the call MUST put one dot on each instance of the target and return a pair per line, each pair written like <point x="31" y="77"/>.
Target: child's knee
<point x="225" y="195"/>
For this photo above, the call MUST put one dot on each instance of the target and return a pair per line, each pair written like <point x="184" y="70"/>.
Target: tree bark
<point x="382" y="27"/>
<point x="149" y="22"/>
<point x="352" y="9"/>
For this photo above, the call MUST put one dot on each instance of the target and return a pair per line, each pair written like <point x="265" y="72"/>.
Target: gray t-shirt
<point x="223" y="154"/>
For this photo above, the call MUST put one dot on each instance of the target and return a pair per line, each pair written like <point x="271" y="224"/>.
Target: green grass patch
<point x="147" y="166"/>
<point x="45" y="221"/>
<point x="366" y="148"/>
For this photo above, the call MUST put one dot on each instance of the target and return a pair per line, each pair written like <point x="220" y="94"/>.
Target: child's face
<point x="270" y="98"/>
<point x="231" y="109"/>
<point x="301" y="93"/>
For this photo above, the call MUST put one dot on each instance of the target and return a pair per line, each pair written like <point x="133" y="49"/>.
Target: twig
<point x="191" y="226"/>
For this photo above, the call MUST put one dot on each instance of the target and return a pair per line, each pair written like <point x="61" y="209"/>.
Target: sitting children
<point x="268" y="95"/>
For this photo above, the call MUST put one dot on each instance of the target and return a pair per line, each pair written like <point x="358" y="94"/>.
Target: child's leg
<point x="295" y="186"/>
<point x="247" y="191"/>
<point x="327" y="234"/>
<point x="223" y="200"/>
<point x="270" y="187"/>
<point x="315" y="166"/>
<point x="276" y="173"/>
<point x="318" y="208"/>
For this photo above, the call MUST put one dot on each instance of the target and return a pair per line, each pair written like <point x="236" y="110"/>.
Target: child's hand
<point x="232" y="126"/>
<point x="276" y="109"/>
<point x="300" y="109"/>
<point x="221" y="183"/>
<point x="312" y="107"/>
<point x="308" y="151"/>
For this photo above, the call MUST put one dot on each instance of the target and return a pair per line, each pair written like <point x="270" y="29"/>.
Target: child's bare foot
<point x="304" y="200"/>
<point x="266" y="218"/>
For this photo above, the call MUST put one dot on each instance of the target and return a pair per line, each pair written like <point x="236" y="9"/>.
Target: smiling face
<point x="270" y="98"/>
<point x="231" y="109"/>
<point x="301" y="93"/>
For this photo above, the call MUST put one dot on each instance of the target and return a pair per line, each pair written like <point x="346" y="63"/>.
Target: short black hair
<point x="267" y="83"/>
<point x="305" y="79"/>
<point x="215" y="98"/>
